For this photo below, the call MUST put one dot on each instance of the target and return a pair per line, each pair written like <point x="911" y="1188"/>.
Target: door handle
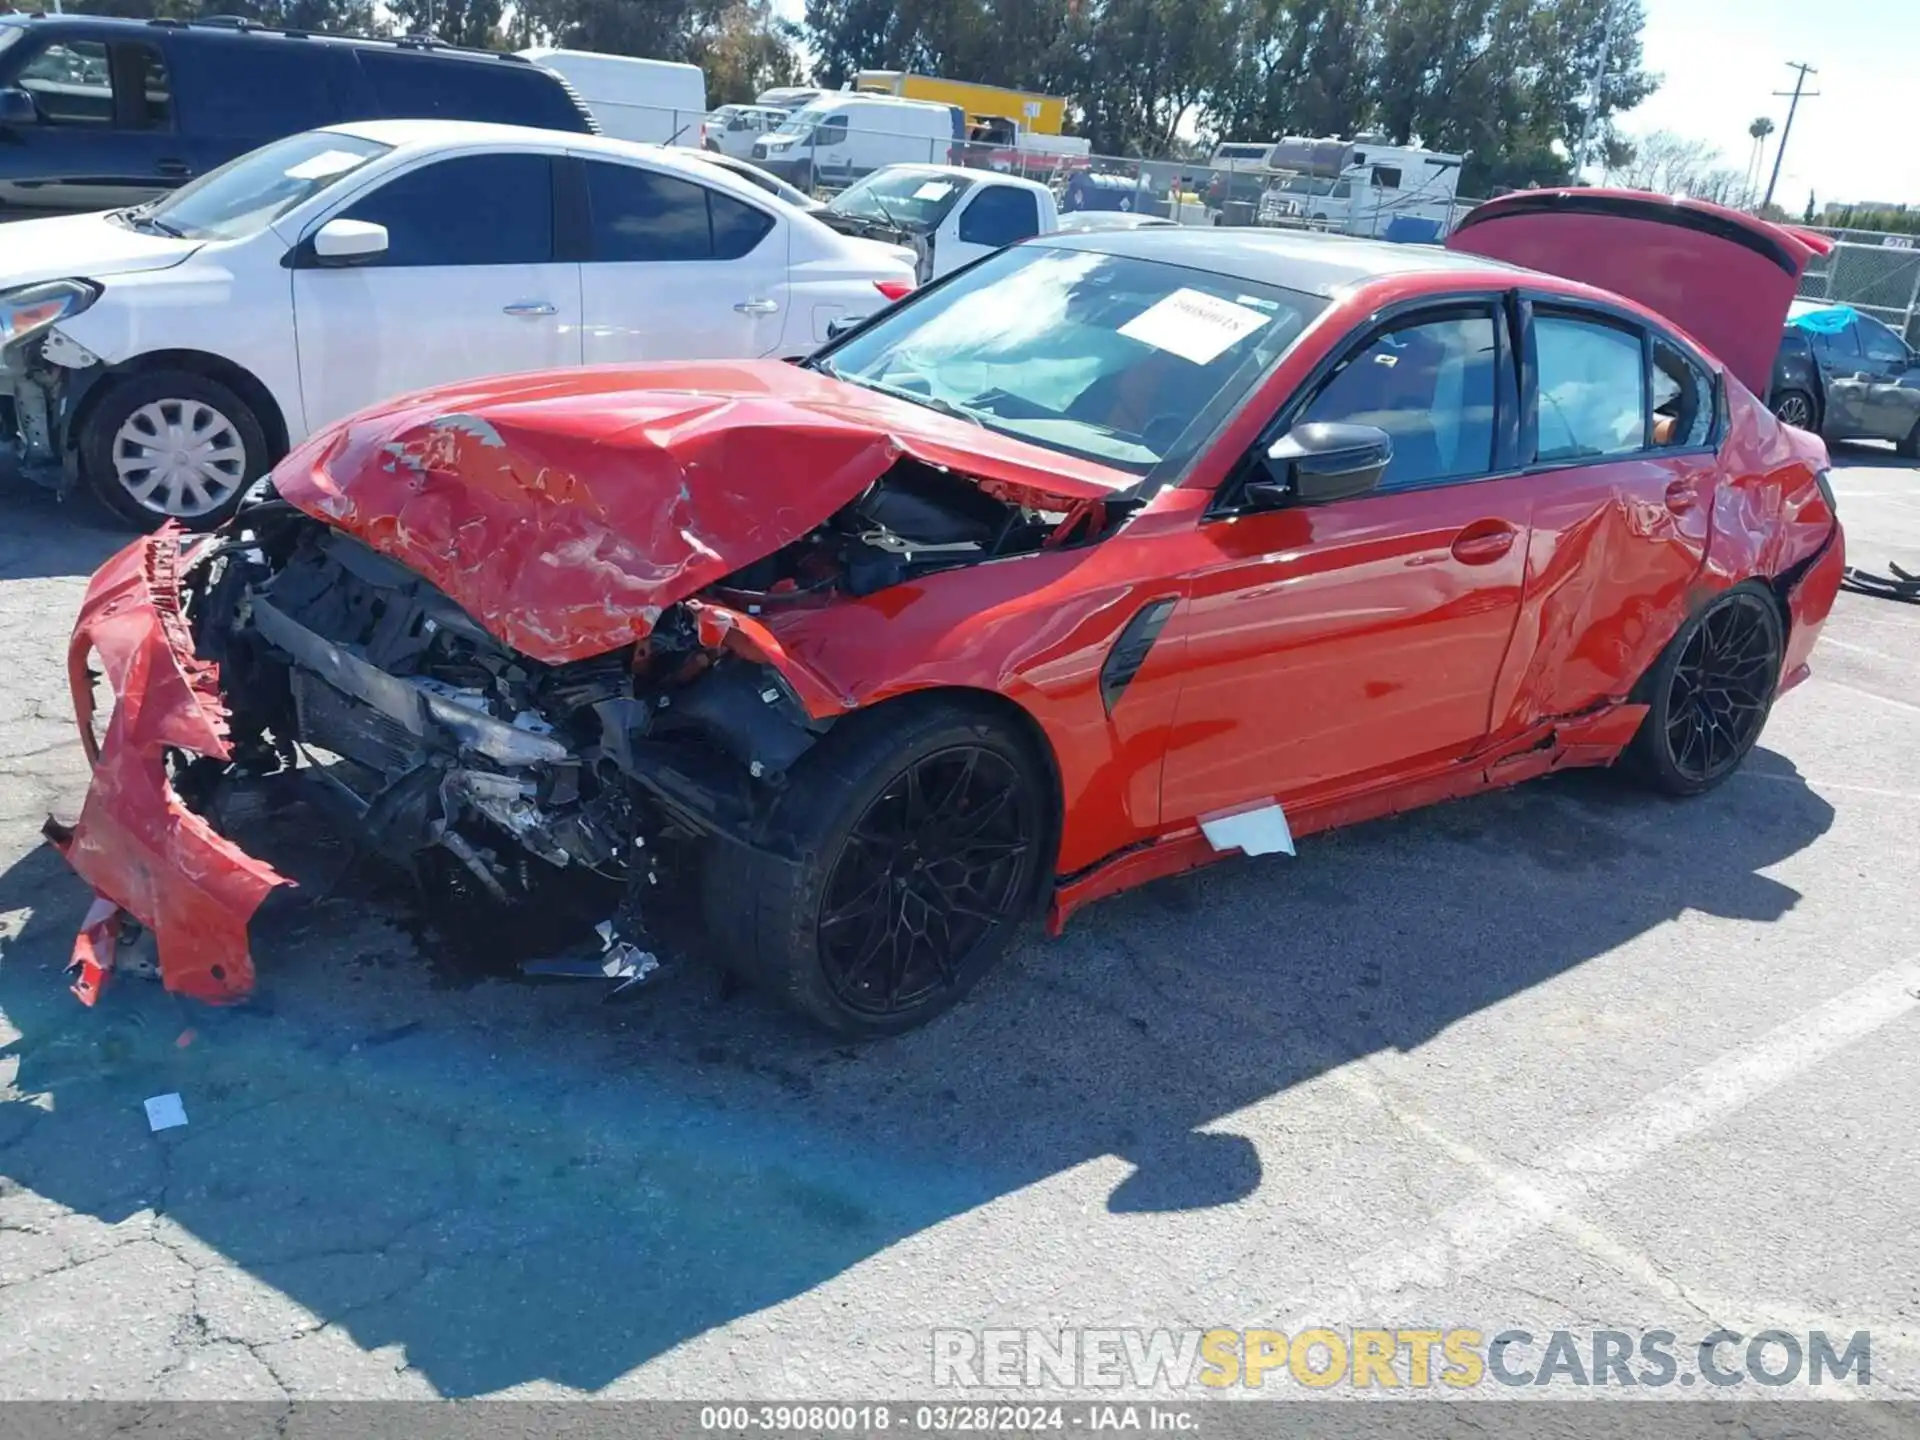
<point x="531" y="309"/>
<point x="757" y="307"/>
<point x="1484" y="542"/>
<point x="1683" y="494"/>
<point x="173" y="169"/>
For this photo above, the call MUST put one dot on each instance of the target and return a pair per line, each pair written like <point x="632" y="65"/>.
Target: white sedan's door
<point x="467" y="286"/>
<point x="678" y="270"/>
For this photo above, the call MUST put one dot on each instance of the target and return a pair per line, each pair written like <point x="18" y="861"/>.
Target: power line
<point x="1799" y="86"/>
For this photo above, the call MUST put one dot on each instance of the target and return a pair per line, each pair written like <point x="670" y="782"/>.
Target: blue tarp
<point x="1830" y="321"/>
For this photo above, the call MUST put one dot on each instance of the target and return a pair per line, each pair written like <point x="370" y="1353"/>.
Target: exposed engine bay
<point x="447" y="751"/>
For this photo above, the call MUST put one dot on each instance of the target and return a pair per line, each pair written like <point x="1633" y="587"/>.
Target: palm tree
<point x="1760" y="129"/>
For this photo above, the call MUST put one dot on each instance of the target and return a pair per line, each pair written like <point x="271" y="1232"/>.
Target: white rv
<point x="658" y="101"/>
<point x="1358" y="187"/>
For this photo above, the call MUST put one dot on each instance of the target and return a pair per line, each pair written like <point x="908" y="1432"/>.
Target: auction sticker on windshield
<point x="1194" y="325"/>
<point x="934" y="190"/>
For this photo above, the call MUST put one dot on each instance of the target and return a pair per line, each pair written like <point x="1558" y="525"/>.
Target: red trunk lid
<point x="1724" y="277"/>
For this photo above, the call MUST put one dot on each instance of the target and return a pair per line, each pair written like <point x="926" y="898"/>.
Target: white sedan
<point x="166" y="356"/>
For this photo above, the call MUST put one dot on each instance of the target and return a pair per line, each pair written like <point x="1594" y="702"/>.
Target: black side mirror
<point x="1321" y="461"/>
<point x="17" y="108"/>
<point x="839" y="327"/>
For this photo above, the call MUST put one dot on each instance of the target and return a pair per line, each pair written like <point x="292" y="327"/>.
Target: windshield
<point x="1125" y="361"/>
<point x="915" y="199"/>
<point x="802" y="121"/>
<point x="246" y="195"/>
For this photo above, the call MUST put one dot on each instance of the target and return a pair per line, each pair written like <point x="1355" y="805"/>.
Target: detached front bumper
<point x="143" y="852"/>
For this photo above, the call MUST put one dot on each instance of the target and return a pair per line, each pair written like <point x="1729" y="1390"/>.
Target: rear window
<point x="256" y="87"/>
<point x="424" y="87"/>
<point x="641" y="215"/>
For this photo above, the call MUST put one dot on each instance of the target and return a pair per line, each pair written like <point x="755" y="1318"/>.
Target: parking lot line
<point x="1514" y="1204"/>
<point x="1905" y="705"/>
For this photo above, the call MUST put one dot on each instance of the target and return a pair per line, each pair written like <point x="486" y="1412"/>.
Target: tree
<point x="458" y="22"/>
<point x="744" y="49"/>
<point x="336" y="17"/>
<point x="1672" y="164"/>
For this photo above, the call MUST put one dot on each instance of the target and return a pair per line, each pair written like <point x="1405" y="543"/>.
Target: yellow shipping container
<point x="1042" y="114"/>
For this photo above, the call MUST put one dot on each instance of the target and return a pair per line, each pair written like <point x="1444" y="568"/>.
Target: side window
<point x="154" y="109"/>
<point x="1682" y="399"/>
<point x="71" y="83"/>
<point x="737" y="226"/>
<point x="470" y="210"/>
<point x="1387" y="177"/>
<point x="832" y="132"/>
<point x="642" y="215"/>
<point x="1430" y="385"/>
<point x="1879" y="342"/>
<point x="424" y="87"/>
<point x="1592" y="389"/>
<point x="1000" y="215"/>
<point x="254" y="87"/>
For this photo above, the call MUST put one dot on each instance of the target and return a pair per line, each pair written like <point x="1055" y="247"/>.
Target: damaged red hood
<point x="565" y="510"/>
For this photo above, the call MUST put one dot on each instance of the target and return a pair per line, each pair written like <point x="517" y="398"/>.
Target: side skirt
<point x="1596" y="738"/>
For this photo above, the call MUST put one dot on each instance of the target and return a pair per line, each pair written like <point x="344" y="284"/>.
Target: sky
<point x="1722" y="59"/>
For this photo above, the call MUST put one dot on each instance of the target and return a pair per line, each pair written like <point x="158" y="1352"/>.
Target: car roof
<point x="1315" y="264"/>
<point x="125" y="25"/>
<point x="417" y="135"/>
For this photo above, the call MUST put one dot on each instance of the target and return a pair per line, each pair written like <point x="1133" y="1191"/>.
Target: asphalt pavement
<point x="1566" y="1058"/>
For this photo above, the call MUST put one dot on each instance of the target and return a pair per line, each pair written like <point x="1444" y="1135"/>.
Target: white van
<point x="836" y="139"/>
<point x="661" y="101"/>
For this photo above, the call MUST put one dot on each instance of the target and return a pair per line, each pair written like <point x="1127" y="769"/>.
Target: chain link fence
<point x="1876" y="273"/>
<point x="823" y="157"/>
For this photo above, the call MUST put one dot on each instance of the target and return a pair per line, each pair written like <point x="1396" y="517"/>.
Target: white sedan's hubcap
<point x="179" y="457"/>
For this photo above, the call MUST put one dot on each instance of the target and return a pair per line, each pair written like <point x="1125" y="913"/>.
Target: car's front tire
<point x="1709" y="694"/>
<point x="1795" y="408"/>
<point x="923" y="833"/>
<point x="1909" y="448"/>
<point x="171" y="445"/>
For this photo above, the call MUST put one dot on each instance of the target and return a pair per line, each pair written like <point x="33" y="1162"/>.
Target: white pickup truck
<point x="947" y="215"/>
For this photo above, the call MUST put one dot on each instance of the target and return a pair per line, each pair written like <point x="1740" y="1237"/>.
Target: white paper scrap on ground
<point x="1194" y="325"/>
<point x="164" y="1112"/>
<point x="1255" y="832"/>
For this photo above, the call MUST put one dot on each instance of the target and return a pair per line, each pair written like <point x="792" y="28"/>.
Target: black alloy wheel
<point x="1795" y="408"/>
<point x="938" y="862"/>
<point x="1709" y="694"/>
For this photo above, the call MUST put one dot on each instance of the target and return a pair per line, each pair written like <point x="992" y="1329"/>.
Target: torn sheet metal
<point x="135" y="843"/>
<point x="565" y="511"/>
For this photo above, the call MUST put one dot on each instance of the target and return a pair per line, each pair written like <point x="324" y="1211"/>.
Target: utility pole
<point x="1599" y="89"/>
<point x="1780" y="151"/>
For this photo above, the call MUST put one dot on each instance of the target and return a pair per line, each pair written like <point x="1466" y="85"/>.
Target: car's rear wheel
<point x="171" y="445"/>
<point x="1709" y="694"/>
<point x="922" y="831"/>
<point x="1795" y="408"/>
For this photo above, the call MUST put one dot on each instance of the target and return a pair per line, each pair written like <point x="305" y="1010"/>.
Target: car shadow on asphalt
<point x="42" y="537"/>
<point x="517" y="1184"/>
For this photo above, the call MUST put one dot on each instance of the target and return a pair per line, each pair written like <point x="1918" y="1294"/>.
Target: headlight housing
<point x="31" y="308"/>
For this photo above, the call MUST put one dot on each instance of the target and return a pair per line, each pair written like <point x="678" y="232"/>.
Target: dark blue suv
<point x="97" y="113"/>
